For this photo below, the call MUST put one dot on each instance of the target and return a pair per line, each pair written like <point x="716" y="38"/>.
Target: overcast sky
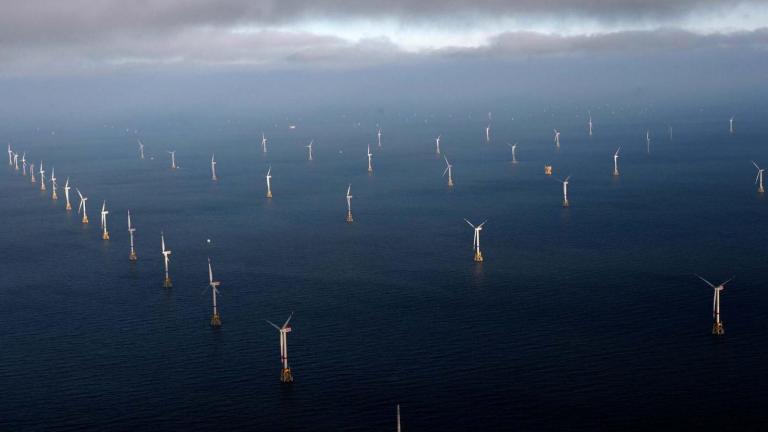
<point x="93" y="36"/>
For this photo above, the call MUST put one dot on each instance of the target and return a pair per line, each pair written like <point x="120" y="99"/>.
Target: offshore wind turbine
<point x="10" y="156"/>
<point x="349" y="204"/>
<point x="213" y="168"/>
<point x="42" y="176"/>
<point x="215" y="318"/>
<point x="730" y="124"/>
<point x="141" y="149"/>
<point x="718" y="327"/>
<point x="24" y="163"/>
<point x="82" y="206"/>
<point x="263" y="143"/>
<point x="616" y="162"/>
<point x="269" y="182"/>
<point x="437" y="145"/>
<point x="32" y="173"/>
<point x="648" y="141"/>
<point x="166" y="253"/>
<point x="557" y="138"/>
<point x="66" y="194"/>
<point x="488" y="133"/>
<point x="131" y="256"/>
<point x="759" y="177"/>
<point x="309" y="148"/>
<point x="16" y="161"/>
<point x="398" y="418"/>
<point x="513" y="147"/>
<point x="589" y="113"/>
<point x="54" y="186"/>
<point x="449" y="171"/>
<point x="285" y="375"/>
<point x="476" y="240"/>
<point x="370" y="167"/>
<point x="104" y="213"/>
<point x="565" y="191"/>
<point x="173" y="159"/>
<point x="378" y="135"/>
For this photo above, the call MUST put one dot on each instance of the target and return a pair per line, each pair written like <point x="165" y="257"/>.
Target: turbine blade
<point x="706" y="281"/>
<point x="469" y="223"/>
<point x="273" y="325"/>
<point x="288" y="320"/>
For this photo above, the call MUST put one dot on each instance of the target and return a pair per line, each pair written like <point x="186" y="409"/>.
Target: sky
<point x="56" y="45"/>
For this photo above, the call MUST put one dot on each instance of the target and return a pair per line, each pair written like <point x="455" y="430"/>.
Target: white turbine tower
<point x="32" y="173"/>
<point x="437" y="145"/>
<point x="488" y="133"/>
<point x="513" y="147"/>
<point x="378" y="135"/>
<point x="104" y="213"/>
<point x="309" y="148"/>
<point x="166" y="253"/>
<point x="730" y="123"/>
<point x="141" y="149"/>
<point x="399" y="429"/>
<point x="590" y="122"/>
<point x="349" y="204"/>
<point x="66" y="194"/>
<point x="24" y="163"/>
<point x="565" y="191"/>
<point x="213" y="168"/>
<point x="648" y="141"/>
<point x="759" y="177"/>
<point x="215" y="318"/>
<point x="449" y="171"/>
<point x="718" y="327"/>
<point x="370" y="167"/>
<point x="616" y="162"/>
<point x="42" y="176"/>
<point x="10" y="155"/>
<point x="173" y="159"/>
<point x="54" y="186"/>
<point x="16" y="161"/>
<point x="476" y="240"/>
<point x="557" y="138"/>
<point x="131" y="256"/>
<point x="285" y="375"/>
<point x="269" y="182"/>
<point x="82" y="206"/>
<point x="263" y="143"/>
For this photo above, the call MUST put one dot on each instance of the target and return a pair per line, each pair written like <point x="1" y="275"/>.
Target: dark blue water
<point x="579" y="319"/>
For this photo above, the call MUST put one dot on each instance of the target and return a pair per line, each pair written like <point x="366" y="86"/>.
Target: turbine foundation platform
<point x="286" y="376"/>
<point x="42" y="186"/>
<point x="269" y="194"/>
<point x="69" y="207"/>
<point x="760" y="189"/>
<point x="167" y="282"/>
<point x="565" y="203"/>
<point x="132" y="256"/>
<point x="216" y="320"/>
<point x="85" y="219"/>
<point x="349" y="217"/>
<point x="718" y="329"/>
<point x="54" y="196"/>
<point x="105" y="235"/>
<point x="478" y="256"/>
<point x="450" y="182"/>
<point x="615" y="172"/>
<point x="548" y="169"/>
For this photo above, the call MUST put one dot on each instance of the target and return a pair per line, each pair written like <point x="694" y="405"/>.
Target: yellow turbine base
<point x="718" y="329"/>
<point x="286" y="376"/>
<point x="615" y="173"/>
<point x="565" y="203"/>
<point x="132" y="256"/>
<point x="450" y="183"/>
<point x="269" y="194"/>
<point x="85" y="219"/>
<point x="349" y="217"/>
<point x="478" y="256"/>
<point x="548" y="169"/>
<point x="167" y="282"/>
<point x="105" y="235"/>
<point x="54" y="196"/>
<point x="216" y="320"/>
<point x="42" y="186"/>
<point x="33" y="180"/>
<point x="69" y="207"/>
<point x="760" y="189"/>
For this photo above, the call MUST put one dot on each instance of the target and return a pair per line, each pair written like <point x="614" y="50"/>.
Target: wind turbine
<point x="437" y="145"/>
<point x="10" y="155"/>
<point x="759" y="177"/>
<point x="269" y="183"/>
<point x="488" y="133"/>
<point x="16" y="161"/>
<point x="616" y="162"/>
<point x="349" y="204"/>
<point x="132" y="256"/>
<point x="565" y="191"/>
<point x="66" y="194"/>
<point x="263" y="143"/>
<point x="82" y="206"/>
<point x="476" y="240"/>
<point x="213" y="168"/>
<point x="53" y="184"/>
<point x="24" y="163"/>
<point x="173" y="159"/>
<point x="309" y="147"/>
<point x="557" y="138"/>
<point x="32" y="173"/>
<point x="167" y="282"/>
<point x="730" y="122"/>
<point x="449" y="171"/>
<point x="285" y="375"/>
<point x="215" y="319"/>
<point x="670" y="133"/>
<point x="141" y="149"/>
<point x="370" y="168"/>
<point x="590" y="122"/>
<point x="514" y="156"/>
<point x="718" y="327"/>
<point x="104" y="213"/>
<point x="378" y="135"/>
<point x="42" y="177"/>
<point x="648" y="141"/>
<point x="398" y="418"/>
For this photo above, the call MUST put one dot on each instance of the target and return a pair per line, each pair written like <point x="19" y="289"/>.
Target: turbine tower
<point x="82" y="206"/>
<point x="42" y="176"/>
<point x="215" y="318"/>
<point x="759" y="177"/>
<point x="285" y="375"/>
<point x="309" y="147"/>
<point x="565" y="191"/>
<point x="24" y="163"/>
<point x="718" y="327"/>
<point x="449" y="171"/>
<point x="514" y="156"/>
<point x="167" y="282"/>
<point x="213" y="168"/>
<point x="399" y="429"/>
<point x="131" y="256"/>
<point x="437" y="145"/>
<point x="10" y="156"/>
<point x="370" y="168"/>
<point x="476" y="240"/>
<point x="349" y="204"/>
<point x="269" y="182"/>
<point x="173" y="159"/>
<point x="488" y="133"/>
<point x="616" y="162"/>
<point x="32" y="173"/>
<point x="104" y="213"/>
<point x="730" y="122"/>
<point x="16" y="161"/>
<point x="263" y="143"/>
<point x="589" y="113"/>
<point x="66" y="194"/>
<point x="648" y="141"/>
<point x="141" y="149"/>
<point x="54" y="186"/>
<point x="378" y="135"/>
<point x="557" y="138"/>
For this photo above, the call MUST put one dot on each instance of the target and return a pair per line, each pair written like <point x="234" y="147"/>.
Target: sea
<point x="584" y="318"/>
